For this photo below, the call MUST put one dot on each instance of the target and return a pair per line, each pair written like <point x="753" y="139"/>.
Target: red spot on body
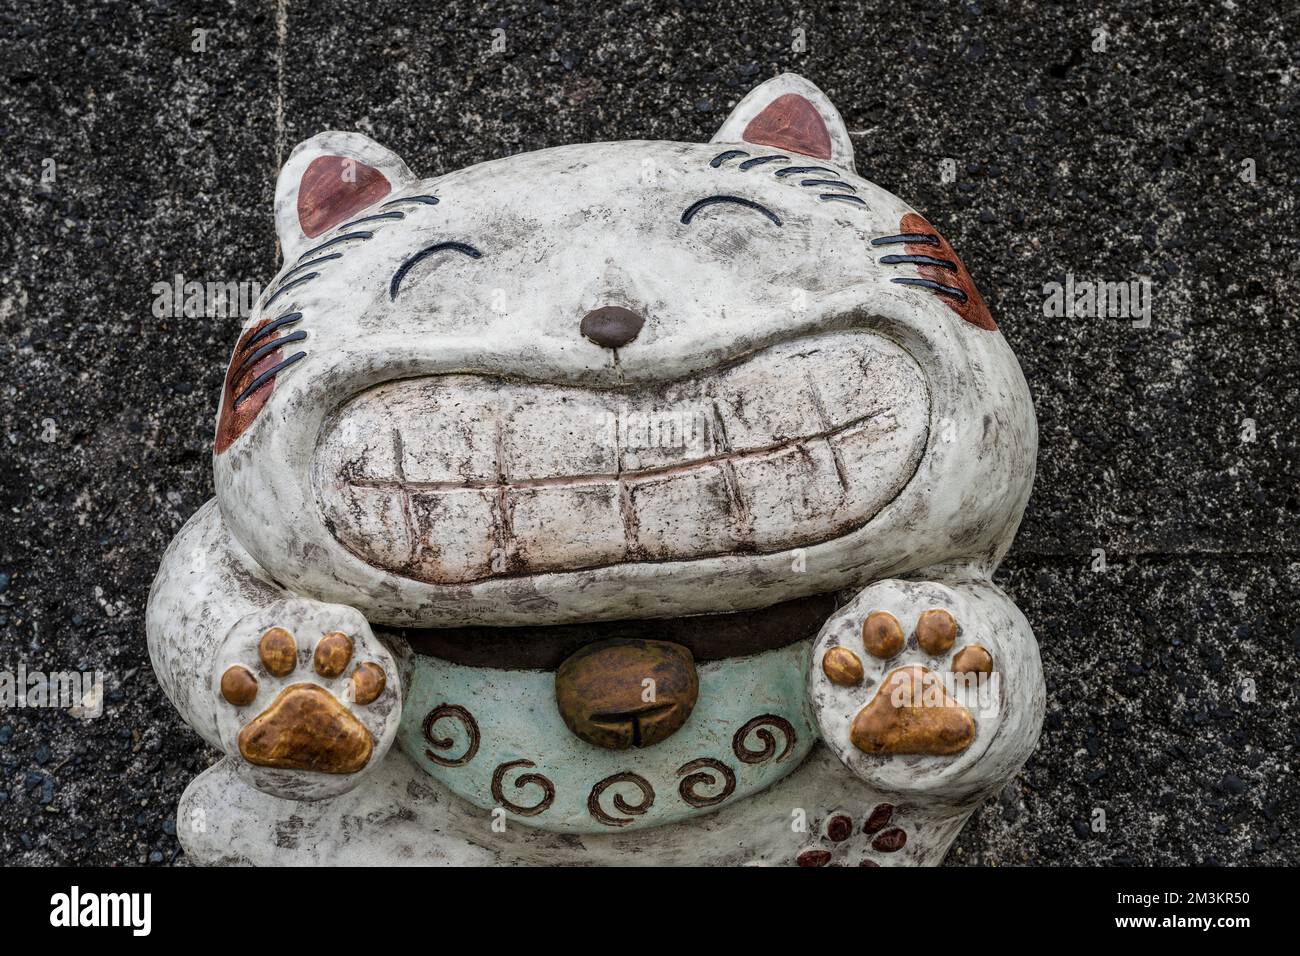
<point x="879" y="818"/>
<point x="791" y="122"/>
<point x="839" y="828"/>
<point x="813" y="858"/>
<point x="235" y="421"/>
<point x="335" y="187"/>
<point x="891" y="841"/>
<point x="973" y="309"/>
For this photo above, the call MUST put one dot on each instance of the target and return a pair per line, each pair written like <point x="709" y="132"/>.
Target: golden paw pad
<point x="306" y="727"/>
<point x="912" y="713"/>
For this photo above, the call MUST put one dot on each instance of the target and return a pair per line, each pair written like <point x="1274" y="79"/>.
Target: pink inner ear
<point x="791" y="122"/>
<point x="333" y="188"/>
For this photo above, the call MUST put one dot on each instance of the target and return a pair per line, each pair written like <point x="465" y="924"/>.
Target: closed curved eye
<point x="461" y="247"/>
<point x="695" y="207"/>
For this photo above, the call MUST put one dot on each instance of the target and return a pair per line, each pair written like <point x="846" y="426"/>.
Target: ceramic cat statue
<point x="629" y="502"/>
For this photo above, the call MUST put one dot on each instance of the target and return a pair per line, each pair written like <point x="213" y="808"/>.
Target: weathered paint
<point x="515" y="717"/>
<point x="416" y="446"/>
<point x="404" y="818"/>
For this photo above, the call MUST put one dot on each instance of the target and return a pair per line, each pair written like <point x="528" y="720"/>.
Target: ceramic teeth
<point x="458" y="478"/>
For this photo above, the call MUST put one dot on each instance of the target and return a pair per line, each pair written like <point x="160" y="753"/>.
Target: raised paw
<point x="913" y="682"/>
<point x="912" y="711"/>
<point x="306" y="708"/>
<point x="305" y="728"/>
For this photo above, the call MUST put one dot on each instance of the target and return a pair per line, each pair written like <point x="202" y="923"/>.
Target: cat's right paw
<point x="307" y="699"/>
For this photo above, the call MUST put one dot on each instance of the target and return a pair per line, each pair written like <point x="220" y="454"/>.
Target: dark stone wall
<point x="1116" y="165"/>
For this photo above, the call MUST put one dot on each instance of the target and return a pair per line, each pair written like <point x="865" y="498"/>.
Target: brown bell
<point x="627" y="693"/>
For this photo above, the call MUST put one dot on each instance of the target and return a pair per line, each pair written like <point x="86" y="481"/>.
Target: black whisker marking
<point x="760" y="160"/>
<point x="932" y="286"/>
<point x="793" y="170"/>
<point x="920" y="261"/>
<point x="696" y="206"/>
<point x="842" y="197"/>
<point x="721" y="158"/>
<point x="289" y="285"/>
<point x="828" y="182"/>
<point x="906" y="237"/>
<point x="377" y="217"/>
<point x="266" y="350"/>
<point x="423" y="200"/>
<point x="287" y="319"/>
<point x="266" y="376"/>
<point x="334" y="242"/>
<point x="308" y="265"/>
<point x="423" y="254"/>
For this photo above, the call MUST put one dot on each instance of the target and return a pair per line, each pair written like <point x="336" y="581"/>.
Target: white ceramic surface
<point x="451" y="450"/>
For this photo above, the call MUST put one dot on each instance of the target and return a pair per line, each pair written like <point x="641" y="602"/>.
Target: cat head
<point x="685" y="376"/>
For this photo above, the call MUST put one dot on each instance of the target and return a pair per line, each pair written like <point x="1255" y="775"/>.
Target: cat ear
<point x="790" y="114"/>
<point x="329" y="179"/>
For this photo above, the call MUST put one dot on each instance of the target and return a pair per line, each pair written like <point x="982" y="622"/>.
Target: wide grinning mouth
<point x="454" y="479"/>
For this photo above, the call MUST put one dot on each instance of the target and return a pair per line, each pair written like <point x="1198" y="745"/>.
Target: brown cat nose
<point x="627" y="693"/>
<point x="611" y="326"/>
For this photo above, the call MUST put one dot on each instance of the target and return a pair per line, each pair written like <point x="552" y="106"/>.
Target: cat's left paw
<point x="928" y="687"/>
